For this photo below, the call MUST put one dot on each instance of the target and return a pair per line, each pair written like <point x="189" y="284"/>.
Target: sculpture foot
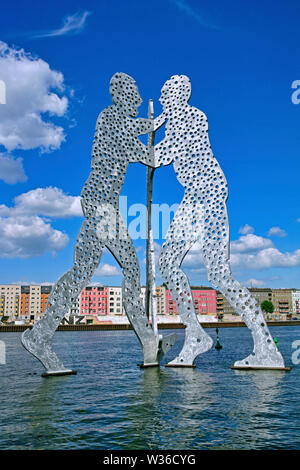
<point x="269" y="360"/>
<point x="144" y="366"/>
<point x="171" y="364"/>
<point x="150" y="352"/>
<point x="42" y="350"/>
<point x="56" y="373"/>
<point x="192" y="348"/>
<point x="165" y="344"/>
<point x="155" y="350"/>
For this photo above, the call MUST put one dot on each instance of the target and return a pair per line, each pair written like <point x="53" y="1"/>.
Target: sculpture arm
<point x="163" y="154"/>
<point x="140" y="153"/>
<point x="143" y="126"/>
<point x="159" y="121"/>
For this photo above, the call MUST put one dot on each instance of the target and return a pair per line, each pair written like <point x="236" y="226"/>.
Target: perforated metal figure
<point x="115" y="145"/>
<point x="202" y="216"/>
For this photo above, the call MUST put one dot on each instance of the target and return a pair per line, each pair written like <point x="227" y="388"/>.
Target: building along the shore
<point x="27" y="303"/>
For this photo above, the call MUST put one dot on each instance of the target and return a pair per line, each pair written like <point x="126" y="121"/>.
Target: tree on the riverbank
<point x="267" y="306"/>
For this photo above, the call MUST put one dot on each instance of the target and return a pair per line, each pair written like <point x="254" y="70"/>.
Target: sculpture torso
<point x="111" y="149"/>
<point x="194" y="163"/>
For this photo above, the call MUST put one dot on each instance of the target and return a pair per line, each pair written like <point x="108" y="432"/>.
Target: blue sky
<point x="241" y="57"/>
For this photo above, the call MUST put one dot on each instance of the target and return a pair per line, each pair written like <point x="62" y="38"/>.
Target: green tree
<point x="267" y="306"/>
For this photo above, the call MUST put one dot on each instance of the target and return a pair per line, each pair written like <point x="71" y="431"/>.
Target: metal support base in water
<point x="181" y="365"/>
<point x="144" y="366"/>
<point x="59" y="373"/>
<point x="261" y="368"/>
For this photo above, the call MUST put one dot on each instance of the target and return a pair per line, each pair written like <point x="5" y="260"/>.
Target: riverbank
<point x="161" y="326"/>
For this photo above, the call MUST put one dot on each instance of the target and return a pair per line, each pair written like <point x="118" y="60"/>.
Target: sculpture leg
<point x="124" y="252"/>
<point x="38" y="340"/>
<point x="181" y="236"/>
<point x="216" y="258"/>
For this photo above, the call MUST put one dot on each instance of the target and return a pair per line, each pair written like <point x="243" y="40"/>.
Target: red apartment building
<point x="205" y="301"/>
<point x="94" y="301"/>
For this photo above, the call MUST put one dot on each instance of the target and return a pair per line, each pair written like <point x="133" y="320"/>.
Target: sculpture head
<point x="125" y="93"/>
<point x="176" y="90"/>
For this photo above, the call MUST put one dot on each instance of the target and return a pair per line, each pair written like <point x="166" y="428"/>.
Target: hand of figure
<point x="159" y="121"/>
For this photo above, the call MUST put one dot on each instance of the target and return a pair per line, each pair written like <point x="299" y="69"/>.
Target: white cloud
<point x="31" y="100"/>
<point x="27" y="282"/>
<point x="184" y="6"/>
<point x="11" y="170"/>
<point x="23" y="233"/>
<point x="277" y="232"/>
<point x="193" y="260"/>
<point x="107" y="270"/>
<point x="246" y="229"/>
<point x="250" y="252"/>
<point x="250" y="242"/>
<point x="72" y="24"/>
<point x="28" y="236"/>
<point x="266" y="258"/>
<point x="254" y="283"/>
<point x="49" y="202"/>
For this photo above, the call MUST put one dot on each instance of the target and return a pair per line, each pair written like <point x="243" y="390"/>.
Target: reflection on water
<point x="46" y="416"/>
<point x="267" y="385"/>
<point x="168" y="406"/>
<point x="257" y="409"/>
<point x="112" y="404"/>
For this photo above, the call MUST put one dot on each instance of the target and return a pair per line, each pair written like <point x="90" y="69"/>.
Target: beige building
<point x="296" y="301"/>
<point x="75" y="309"/>
<point x="260" y="294"/>
<point x="35" y="302"/>
<point x="10" y="301"/>
<point x="282" y="301"/>
<point x="223" y="306"/>
<point x="115" y="306"/>
<point x="161" y="300"/>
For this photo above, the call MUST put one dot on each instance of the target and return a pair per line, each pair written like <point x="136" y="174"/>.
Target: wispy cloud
<point x="277" y="232"/>
<point x="254" y="283"/>
<point x="246" y="229"/>
<point x="72" y="24"/>
<point x="107" y="270"/>
<point x="185" y="7"/>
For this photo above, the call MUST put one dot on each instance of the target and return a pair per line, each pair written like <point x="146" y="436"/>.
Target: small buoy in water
<point x="218" y="344"/>
<point x="275" y="341"/>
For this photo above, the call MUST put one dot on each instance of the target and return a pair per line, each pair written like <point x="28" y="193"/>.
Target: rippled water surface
<point x="113" y="404"/>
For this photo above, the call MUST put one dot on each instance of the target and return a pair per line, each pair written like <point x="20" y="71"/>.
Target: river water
<point x="113" y="404"/>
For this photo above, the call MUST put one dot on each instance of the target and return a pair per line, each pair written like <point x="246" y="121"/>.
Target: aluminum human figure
<point x="202" y="216"/>
<point x="116" y="144"/>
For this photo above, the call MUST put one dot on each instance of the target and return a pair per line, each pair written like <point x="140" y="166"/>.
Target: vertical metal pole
<point x="150" y="259"/>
